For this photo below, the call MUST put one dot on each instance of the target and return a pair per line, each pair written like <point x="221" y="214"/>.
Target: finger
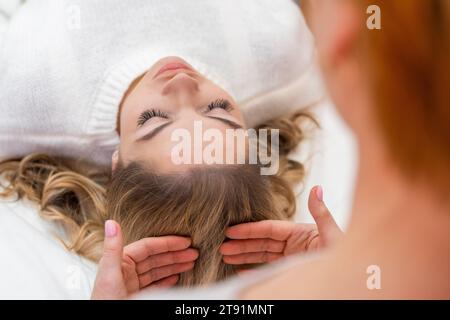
<point x="163" y="283"/>
<point x="250" y="258"/>
<point x="109" y="279"/>
<point x="234" y="247"/>
<point x="322" y="216"/>
<point x="111" y="260"/>
<point x="273" y="229"/>
<point x="142" y="249"/>
<point x="163" y="272"/>
<point x="165" y="259"/>
<point x="166" y="282"/>
<point x="246" y="272"/>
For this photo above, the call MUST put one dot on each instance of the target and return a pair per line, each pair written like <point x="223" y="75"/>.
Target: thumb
<point x="109" y="280"/>
<point x="111" y="260"/>
<point x="326" y="225"/>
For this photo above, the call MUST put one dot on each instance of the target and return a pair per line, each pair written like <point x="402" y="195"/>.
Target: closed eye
<point x="149" y="114"/>
<point x="220" y="104"/>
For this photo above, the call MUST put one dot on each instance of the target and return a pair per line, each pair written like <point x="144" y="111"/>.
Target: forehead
<point x="191" y="135"/>
<point x="127" y="93"/>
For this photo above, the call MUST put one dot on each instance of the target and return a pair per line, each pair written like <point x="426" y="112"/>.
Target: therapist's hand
<point x="149" y="262"/>
<point x="269" y="240"/>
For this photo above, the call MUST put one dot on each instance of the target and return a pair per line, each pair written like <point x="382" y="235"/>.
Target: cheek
<point x="325" y="44"/>
<point x="325" y="25"/>
<point x="237" y="113"/>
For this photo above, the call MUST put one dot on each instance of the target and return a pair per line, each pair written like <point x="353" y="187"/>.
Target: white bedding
<point x="34" y="264"/>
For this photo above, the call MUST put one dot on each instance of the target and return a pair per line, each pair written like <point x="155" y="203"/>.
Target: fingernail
<point x="319" y="193"/>
<point x="110" y="228"/>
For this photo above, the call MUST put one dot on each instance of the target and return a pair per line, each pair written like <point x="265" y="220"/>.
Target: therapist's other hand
<point x="269" y="240"/>
<point x="149" y="262"/>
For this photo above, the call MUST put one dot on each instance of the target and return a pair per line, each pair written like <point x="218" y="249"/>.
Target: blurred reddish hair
<point x="409" y="71"/>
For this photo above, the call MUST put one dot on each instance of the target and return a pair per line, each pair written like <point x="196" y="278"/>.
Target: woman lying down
<point x="398" y="242"/>
<point x="175" y="218"/>
<point x="183" y="223"/>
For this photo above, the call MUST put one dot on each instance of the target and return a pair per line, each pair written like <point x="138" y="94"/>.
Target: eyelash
<point x="220" y="104"/>
<point x="148" y="114"/>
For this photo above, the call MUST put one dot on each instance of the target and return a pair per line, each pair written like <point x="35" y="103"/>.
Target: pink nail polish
<point x="319" y="193"/>
<point x="110" y="228"/>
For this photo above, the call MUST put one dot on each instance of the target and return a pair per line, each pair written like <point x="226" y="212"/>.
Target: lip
<point x="172" y="67"/>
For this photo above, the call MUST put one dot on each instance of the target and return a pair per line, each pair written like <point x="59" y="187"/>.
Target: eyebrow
<point x="228" y="122"/>
<point x="157" y="130"/>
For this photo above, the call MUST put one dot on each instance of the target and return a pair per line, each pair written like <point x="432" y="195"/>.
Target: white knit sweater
<point x="65" y="64"/>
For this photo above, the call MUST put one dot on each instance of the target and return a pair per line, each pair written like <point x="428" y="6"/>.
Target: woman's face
<point x="170" y="96"/>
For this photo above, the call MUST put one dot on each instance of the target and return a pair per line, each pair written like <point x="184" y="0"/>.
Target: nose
<point x="181" y="84"/>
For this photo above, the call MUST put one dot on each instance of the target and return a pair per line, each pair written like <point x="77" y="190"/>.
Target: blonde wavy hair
<point x="199" y="204"/>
